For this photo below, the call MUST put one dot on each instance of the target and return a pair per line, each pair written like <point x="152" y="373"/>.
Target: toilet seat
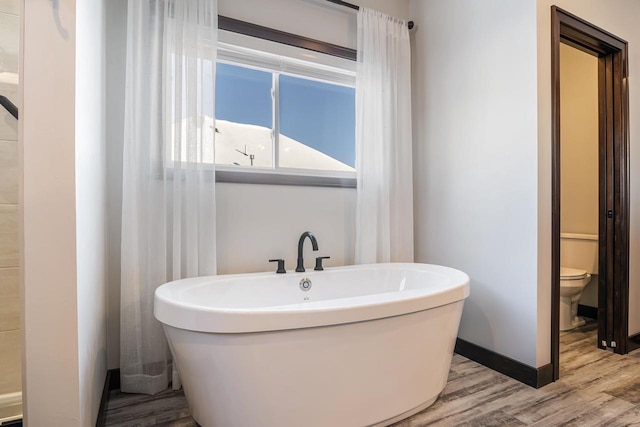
<point x="572" y="274"/>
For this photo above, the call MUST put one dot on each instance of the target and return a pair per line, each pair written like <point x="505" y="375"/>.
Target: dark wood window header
<point x="253" y="30"/>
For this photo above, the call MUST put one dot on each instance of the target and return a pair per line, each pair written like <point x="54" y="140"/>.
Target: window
<point x="244" y="116"/>
<point x="285" y="116"/>
<point x="316" y="125"/>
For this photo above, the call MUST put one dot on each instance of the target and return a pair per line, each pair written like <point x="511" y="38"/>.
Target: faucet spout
<point x="314" y="245"/>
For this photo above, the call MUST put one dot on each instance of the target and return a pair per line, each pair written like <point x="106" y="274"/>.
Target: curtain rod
<point x="356" y="7"/>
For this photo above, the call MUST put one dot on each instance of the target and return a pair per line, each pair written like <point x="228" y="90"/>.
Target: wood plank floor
<point x="597" y="388"/>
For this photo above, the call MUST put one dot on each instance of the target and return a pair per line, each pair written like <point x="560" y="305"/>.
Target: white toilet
<point x="572" y="283"/>
<point x="579" y="259"/>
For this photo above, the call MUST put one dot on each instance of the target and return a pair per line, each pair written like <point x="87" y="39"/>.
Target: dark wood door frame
<point x="613" y="100"/>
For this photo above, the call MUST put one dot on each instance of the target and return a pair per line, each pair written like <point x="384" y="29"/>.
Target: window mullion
<point x="276" y="120"/>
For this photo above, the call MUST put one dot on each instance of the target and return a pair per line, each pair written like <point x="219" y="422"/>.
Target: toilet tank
<point x="579" y="251"/>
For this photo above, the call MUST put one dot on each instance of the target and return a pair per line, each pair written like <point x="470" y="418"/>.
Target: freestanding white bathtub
<point x="365" y="345"/>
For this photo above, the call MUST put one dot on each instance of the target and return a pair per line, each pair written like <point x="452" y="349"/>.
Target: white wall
<point x="619" y="17"/>
<point x="244" y="243"/>
<point x="91" y="206"/>
<point x="475" y="167"/>
<point x="47" y="123"/>
<point x="62" y="196"/>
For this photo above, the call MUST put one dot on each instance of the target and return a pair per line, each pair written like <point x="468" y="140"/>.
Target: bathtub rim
<point x="369" y="307"/>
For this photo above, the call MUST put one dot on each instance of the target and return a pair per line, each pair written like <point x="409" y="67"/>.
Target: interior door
<point x="613" y="292"/>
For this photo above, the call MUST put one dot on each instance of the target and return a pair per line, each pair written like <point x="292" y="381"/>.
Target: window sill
<point x="283" y="178"/>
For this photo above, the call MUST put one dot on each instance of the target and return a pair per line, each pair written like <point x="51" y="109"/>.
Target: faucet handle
<point x="319" y="259"/>
<point x="280" y="265"/>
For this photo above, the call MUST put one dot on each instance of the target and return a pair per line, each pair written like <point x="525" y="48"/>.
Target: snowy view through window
<point x="316" y="121"/>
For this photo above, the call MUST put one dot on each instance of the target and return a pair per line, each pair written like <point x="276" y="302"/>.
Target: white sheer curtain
<point x="168" y="212"/>
<point x="384" y="210"/>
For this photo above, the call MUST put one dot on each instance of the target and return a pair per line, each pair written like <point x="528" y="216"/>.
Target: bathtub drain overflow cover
<point x="305" y="284"/>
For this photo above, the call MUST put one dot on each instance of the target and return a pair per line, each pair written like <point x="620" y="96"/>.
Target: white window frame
<point x="277" y="58"/>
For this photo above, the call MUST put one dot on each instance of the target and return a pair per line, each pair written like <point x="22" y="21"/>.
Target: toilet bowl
<point x="572" y="283"/>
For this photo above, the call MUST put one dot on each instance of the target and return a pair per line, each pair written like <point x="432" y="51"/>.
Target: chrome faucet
<point x="314" y="244"/>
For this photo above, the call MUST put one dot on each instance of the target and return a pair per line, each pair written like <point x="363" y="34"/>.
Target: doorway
<point x="613" y="180"/>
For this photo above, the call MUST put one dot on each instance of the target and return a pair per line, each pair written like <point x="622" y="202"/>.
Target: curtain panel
<point x="384" y="209"/>
<point x="168" y="194"/>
